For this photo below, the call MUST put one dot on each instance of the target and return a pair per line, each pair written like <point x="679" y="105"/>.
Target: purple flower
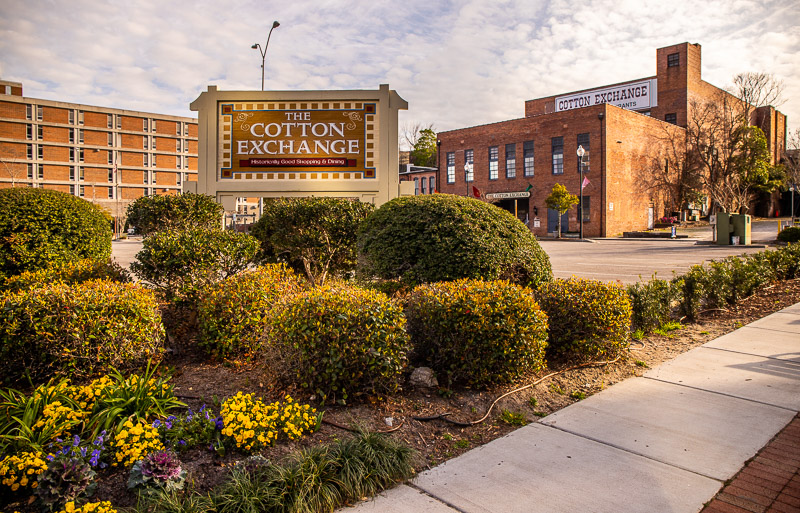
<point x="95" y="459"/>
<point x="219" y="424"/>
<point x="76" y="441"/>
<point x="156" y="423"/>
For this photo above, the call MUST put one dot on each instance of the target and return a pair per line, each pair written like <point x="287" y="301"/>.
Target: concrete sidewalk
<point x="665" y="442"/>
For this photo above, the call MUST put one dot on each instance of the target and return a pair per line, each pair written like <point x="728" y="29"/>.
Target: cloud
<point x="458" y="62"/>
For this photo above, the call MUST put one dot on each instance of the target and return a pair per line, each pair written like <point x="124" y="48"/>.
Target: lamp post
<point x="581" y="153"/>
<point x="467" y="171"/>
<point x="257" y="46"/>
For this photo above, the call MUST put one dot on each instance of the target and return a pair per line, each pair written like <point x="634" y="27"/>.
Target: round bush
<point x="315" y="236"/>
<point x="588" y="318"/>
<point x="234" y="314"/>
<point x="791" y="234"/>
<point x="346" y="341"/>
<point x="150" y="214"/>
<point x="69" y="273"/>
<point x="41" y="227"/>
<point x="477" y="332"/>
<point x="180" y="263"/>
<point x="78" y="330"/>
<point x="441" y="237"/>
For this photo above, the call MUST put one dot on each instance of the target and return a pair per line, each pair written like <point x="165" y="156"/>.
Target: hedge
<point x="150" y="214"/>
<point x="70" y="273"/>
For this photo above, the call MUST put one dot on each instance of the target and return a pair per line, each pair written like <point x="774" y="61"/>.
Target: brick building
<point x="105" y="155"/>
<point x="621" y="127"/>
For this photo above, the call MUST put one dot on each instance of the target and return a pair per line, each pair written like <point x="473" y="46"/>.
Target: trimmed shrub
<point x="69" y="273"/>
<point x="314" y="236"/>
<point x="41" y="227"/>
<point x="790" y="234"/>
<point x="477" y="332"/>
<point x="785" y="261"/>
<point x="234" y="314"/>
<point x="345" y="341"/>
<point x="78" y="330"/>
<point x="588" y="318"/>
<point x="651" y="303"/>
<point x="178" y="264"/>
<point x="150" y="214"/>
<point x="441" y="237"/>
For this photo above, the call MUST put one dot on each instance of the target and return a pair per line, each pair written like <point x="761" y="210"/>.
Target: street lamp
<point x="467" y="171"/>
<point x="581" y="153"/>
<point x="257" y="46"/>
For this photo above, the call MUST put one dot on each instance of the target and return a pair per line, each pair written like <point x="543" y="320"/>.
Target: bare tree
<point x="13" y="158"/>
<point x="410" y="134"/>
<point x="755" y="90"/>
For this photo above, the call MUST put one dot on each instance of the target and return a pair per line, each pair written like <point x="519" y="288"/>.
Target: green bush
<point x="70" y="273"/>
<point x="588" y="318"/>
<point x="346" y="341"/>
<point x="78" y="330"/>
<point x="651" y="303"/>
<point x="233" y="314"/>
<point x="785" y="261"/>
<point x="790" y="234"/>
<point x="314" y="236"/>
<point x="477" y="332"/>
<point x="41" y="227"/>
<point x="179" y="264"/>
<point x="150" y="214"/>
<point x="441" y="237"/>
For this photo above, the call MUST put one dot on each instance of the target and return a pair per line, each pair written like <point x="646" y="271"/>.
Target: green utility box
<point x="741" y="228"/>
<point x="724" y="229"/>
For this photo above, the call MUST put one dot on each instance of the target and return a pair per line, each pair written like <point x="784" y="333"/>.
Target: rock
<point x="423" y="377"/>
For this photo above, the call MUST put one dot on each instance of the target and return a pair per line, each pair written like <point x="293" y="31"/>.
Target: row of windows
<point x="112" y="120"/>
<point x="419" y="185"/>
<point x="39" y="150"/>
<point x="556" y="151"/>
<point x="74" y="171"/>
<point x="179" y="143"/>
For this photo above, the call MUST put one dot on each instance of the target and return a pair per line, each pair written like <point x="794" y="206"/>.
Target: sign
<point x="536" y="222"/>
<point x="297" y="139"/>
<point x="508" y="195"/>
<point x="633" y="96"/>
<point x="611" y="206"/>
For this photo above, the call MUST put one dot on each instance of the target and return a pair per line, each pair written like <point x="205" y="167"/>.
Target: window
<point x="583" y="140"/>
<point x="511" y="160"/>
<point x="40" y="151"/>
<point x="586" y="210"/>
<point x="80" y="117"/>
<point x="144" y="124"/>
<point x="178" y="129"/>
<point x="72" y="173"/>
<point x="72" y="154"/>
<point x="40" y="132"/>
<point x="39" y="113"/>
<point x="432" y="184"/>
<point x="178" y="162"/>
<point x="110" y="139"/>
<point x="144" y="159"/>
<point x="178" y="145"/>
<point x="110" y="120"/>
<point x="468" y="158"/>
<point x="527" y="157"/>
<point x="451" y="167"/>
<point x="30" y="171"/>
<point x="493" y="157"/>
<point x="82" y="190"/>
<point x="29" y="132"/>
<point x="673" y="60"/>
<point x="416" y="186"/>
<point x="72" y="190"/>
<point x="154" y="143"/>
<point x="671" y="118"/>
<point x="185" y="147"/>
<point x="178" y="178"/>
<point x="110" y="157"/>
<point x="422" y="182"/>
<point x="186" y="164"/>
<point x="29" y="112"/>
<point x="40" y="172"/>
<point x="81" y="174"/>
<point x="557" y="150"/>
<point x="110" y="176"/>
<point x="119" y="122"/>
<point x="80" y="136"/>
<point x="71" y="117"/>
<point x="153" y="124"/>
<point x="154" y="163"/>
<point x="110" y="193"/>
<point x="155" y="176"/>
<point x="72" y="136"/>
<point x="80" y="154"/>
<point x="144" y="142"/>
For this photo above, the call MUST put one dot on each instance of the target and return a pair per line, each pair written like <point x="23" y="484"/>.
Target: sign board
<point x="536" y="222"/>
<point x="640" y="95"/>
<point x="272" y="144"/>
<point x="611" y="206"/>
<point x="508" y="195"/>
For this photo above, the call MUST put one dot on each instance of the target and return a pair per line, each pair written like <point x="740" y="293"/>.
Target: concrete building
<point x="621" y="127"/>
<point x="106" y="155"/>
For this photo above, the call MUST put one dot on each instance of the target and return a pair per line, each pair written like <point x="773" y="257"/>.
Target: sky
<point x="458" y="63"/>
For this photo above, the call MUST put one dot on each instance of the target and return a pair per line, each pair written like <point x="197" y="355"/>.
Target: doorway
<point x="552" y="221"/>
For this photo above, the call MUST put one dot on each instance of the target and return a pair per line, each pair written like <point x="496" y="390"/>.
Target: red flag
<point x="476" y="192"/>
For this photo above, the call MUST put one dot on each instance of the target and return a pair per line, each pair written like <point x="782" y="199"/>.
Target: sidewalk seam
<point x="442" y="501"/>
<point x="726" y="395"/>
<point x="751" y="354"/>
